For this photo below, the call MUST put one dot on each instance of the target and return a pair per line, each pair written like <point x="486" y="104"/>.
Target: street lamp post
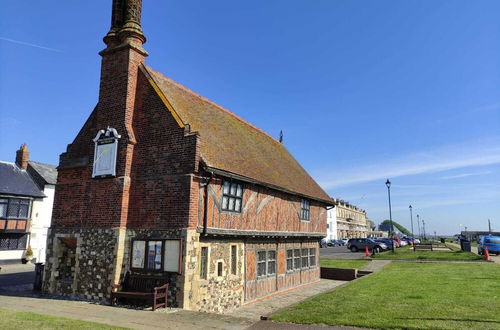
<point x="423" y="228"/>
<point x="411" y="218"/>
<point x="391" y="229"/>
<point x="418" y="225"/>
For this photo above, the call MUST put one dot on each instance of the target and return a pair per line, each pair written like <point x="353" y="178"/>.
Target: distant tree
<point x="398" y="226"/>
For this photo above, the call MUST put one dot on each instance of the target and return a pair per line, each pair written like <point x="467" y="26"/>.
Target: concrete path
<point x="271" y="305"/>
<point x="375" y="265"/>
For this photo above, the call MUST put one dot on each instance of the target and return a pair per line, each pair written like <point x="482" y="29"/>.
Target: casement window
<point x="289" y="260"/>
<point x="271" y="262"/>
<point x="234" y="259"/>
<point x="312" y="257"/>
<point x="156" y="255"/>
<point x="13" y="241"/>
<point x="261" y="263"/>
<point x="204" y="263"/>
<point x="304" y="210"/>
<point x="14" y="208"/>
<point x="305" y="258"/>
<point x="232" y="196"/>
<point x="296" y="259"/>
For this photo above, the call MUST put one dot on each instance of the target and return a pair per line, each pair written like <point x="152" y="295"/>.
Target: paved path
<point x="130" y="318"/>
<point x="271" y="305"/>
<point x="17" y="277"/>
<point x="376" y="265"/>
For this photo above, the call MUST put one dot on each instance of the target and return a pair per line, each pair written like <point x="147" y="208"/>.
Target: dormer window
<point x="304" y="210"/>
<point x="232" y="196"/>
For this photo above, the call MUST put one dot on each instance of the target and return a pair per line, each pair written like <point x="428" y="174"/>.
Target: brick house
<point x="160" y="180"/>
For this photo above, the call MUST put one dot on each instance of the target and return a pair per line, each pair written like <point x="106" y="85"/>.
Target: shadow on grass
<point x="446" y="319"/>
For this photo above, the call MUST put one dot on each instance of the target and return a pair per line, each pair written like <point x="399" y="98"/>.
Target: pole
<point x="411" y="219"/>
<point x="418" y="225"/>
<point x="423" y="228"/>
<point x="391" y="231"/>
<point x="489" y="226"/>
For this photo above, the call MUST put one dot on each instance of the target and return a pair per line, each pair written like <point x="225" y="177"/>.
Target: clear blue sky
<point x="363" y="90"/>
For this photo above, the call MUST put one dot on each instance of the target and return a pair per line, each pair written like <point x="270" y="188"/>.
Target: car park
<point x="490" y="242"/>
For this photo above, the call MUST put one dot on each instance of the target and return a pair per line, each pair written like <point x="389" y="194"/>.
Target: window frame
<point x="10" y="202"/>
<point x="295" y="258"/>
<point x="312" y="257"/>
<point x="204" y="266"/>
<point x="305" y="210"/>
<point x="269" y="260"/>
<point x="21" y="239"/>
<point x="304" y="257"/>
<point x="144" y="269"/>
<point x="289" y="259"/>
<point x="234" y="259"/>
<point x="230" y="196"/>
<point x="258" y="262"/>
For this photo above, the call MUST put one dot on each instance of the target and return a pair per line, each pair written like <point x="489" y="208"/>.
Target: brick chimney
<point x="119" y="67"/>
<point x="23" y="156"/>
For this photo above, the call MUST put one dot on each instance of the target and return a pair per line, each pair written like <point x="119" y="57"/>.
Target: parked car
<point x="345" y="240"/>
<point x="357" y="244"/>
<point x="492" y="243"/>
<point x="341" y="242"/>
<point x="387" y="241"/>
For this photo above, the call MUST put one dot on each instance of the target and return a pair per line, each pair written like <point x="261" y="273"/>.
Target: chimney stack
<point x="23" y="156"/>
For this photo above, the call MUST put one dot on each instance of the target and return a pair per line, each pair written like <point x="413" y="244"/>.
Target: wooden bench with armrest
<point x="422" y="247"/>
<point x="146" y="288"/>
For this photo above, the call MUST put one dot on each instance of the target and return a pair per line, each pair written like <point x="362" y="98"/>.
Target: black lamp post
<point x="418" y="224"/>
<point x="411" y="218"/>
<point x="391" y="229"/>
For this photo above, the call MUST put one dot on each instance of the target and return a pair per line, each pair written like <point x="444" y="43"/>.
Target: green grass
<point x="26" y="320"/>
<point x="336" y="263"/>
<point x="411" y="296"/>
<point x="407" y="253"/>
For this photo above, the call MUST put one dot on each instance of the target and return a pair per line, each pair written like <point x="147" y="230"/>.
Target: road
<point x="17" y="277"/>
<point x="340" y="252"/>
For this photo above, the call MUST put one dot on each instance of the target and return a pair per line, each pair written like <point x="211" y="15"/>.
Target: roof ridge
<point x="32" y="161"/>
<point x="213" y="103"/>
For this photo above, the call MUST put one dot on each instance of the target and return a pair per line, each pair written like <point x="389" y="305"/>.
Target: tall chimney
<point x="23" y="156"/>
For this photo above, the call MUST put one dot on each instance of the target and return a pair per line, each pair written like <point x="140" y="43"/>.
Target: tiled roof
<point x="231" y="144"/>
<point x="46" y="171"/>
<point x="15" y="181"/>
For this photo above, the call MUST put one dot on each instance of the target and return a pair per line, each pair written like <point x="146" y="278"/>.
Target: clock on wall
<point x="106" y="146"/>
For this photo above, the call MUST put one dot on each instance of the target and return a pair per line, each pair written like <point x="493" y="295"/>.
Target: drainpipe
<point x="205" y="211"/>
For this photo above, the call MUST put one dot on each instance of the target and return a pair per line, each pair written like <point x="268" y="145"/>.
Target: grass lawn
<point x="411" y="296"/>
<point x="26" y="320"/>
<point x="337" y="263"/>
<point x="408" y="253"/>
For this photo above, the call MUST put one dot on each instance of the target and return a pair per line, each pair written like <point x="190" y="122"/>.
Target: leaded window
<point x="289" y="260"/>
<point x="305" y="258"/>
<point x="14" y="208"/>
<point x="312" y="257"/>
<point x="204" y="263"/>
<point x="261" y="263"/>
<point x="13" y="242"/>
<point x="304" y="210"/>
<point x="271" y="262"/>
<point x="234" y="259"/>
<point x="232" y="196"/>
<point x="296" y="259"/>
<point x="4" y="202"/>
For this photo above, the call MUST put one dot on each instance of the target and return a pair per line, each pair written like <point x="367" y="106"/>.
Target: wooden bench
<point x="422" y="247"/>
<point x="145" y="288"/>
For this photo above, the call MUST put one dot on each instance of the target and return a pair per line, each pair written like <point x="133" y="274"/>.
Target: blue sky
<point x="363" y="90"/>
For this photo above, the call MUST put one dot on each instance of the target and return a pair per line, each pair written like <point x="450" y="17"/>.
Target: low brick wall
<point x="339" y="274"/>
